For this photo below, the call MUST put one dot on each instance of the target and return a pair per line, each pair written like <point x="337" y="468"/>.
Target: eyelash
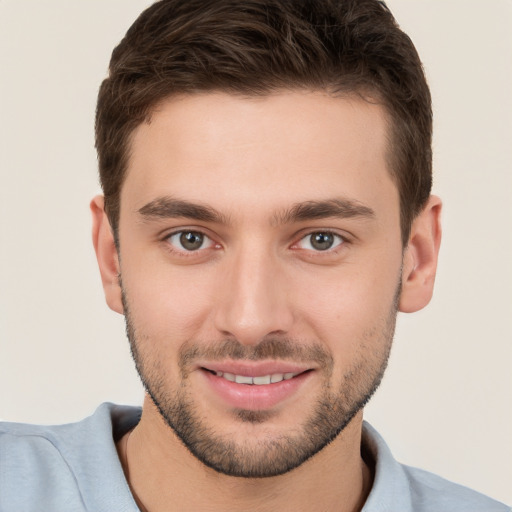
<point x="182" y="252"/>
<point x="340" y="242"/>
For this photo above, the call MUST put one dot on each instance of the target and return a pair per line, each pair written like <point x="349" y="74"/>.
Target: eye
<point x="320" y="241"/>
<point x="190" y="241"/>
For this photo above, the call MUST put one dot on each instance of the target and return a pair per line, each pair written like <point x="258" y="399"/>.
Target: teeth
<point x="261" y="380"/>
<point x="258" y="381"/>
<point x="242" y="379"/>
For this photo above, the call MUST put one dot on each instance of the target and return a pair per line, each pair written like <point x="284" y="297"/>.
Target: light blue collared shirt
<point x="75" y="468"/>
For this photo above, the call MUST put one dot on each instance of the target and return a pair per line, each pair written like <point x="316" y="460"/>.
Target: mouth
<point x="255" y="386"/>
<point x="260" y="380"/>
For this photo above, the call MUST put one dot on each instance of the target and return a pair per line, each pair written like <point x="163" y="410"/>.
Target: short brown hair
<point x="255" y="47"/>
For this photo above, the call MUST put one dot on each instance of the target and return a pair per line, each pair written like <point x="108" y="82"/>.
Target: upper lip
<point x="255" y="368"/>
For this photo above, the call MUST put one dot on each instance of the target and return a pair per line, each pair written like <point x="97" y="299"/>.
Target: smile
<point x="255" y="387"/>
<point x="257" y="381"/>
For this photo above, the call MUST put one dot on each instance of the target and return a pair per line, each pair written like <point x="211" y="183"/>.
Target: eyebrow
<point x="310" y="210"/>
<point x="169" y="207"/>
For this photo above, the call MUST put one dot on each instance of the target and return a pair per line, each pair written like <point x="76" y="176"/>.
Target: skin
<point x="257" y="278"/>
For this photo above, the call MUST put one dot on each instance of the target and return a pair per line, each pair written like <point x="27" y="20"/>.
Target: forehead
<point x="290" y="146"/>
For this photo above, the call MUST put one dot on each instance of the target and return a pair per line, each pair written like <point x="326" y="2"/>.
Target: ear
<point x="420" y="258"/>
<point x="106" y="254"/>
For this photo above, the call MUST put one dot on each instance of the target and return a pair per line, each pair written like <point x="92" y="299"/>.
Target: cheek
<point x="165" y="303"/>
<point x="348" y="306"/>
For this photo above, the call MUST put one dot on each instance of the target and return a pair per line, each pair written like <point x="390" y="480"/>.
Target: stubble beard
<point x="272" y="455"/>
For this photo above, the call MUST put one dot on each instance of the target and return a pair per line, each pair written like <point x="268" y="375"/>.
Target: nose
<point x="253" y="299"/>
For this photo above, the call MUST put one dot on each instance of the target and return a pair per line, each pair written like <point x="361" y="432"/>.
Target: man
<point x="266" y="169"/>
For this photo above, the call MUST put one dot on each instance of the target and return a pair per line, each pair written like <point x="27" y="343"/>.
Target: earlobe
<point x="106" y="254"/>
<point x="420" y="258"/>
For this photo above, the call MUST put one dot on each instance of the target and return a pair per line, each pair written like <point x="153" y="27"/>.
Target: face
<point x="260" y="257"/>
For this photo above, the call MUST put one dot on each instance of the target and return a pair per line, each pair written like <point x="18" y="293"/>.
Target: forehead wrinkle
<point x="169" y="207"/>
<point x="310" y="210"/>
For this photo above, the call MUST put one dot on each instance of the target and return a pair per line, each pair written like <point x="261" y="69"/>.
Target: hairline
<point x="366" y="93"/>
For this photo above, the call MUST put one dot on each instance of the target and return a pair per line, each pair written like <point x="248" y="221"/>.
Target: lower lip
<point x="252" y="397"/>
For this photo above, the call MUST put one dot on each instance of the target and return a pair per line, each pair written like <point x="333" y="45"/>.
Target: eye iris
<point x="191" y="240"/>
<point x="322" y="241"/>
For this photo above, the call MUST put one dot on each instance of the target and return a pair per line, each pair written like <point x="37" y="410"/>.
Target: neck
<point x="165" y="477"/>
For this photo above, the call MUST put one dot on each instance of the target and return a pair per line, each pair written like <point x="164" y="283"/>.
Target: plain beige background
<point x="445" y="403"/>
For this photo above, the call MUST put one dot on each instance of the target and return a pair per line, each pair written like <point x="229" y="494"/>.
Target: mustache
<point x="268" y="348"/>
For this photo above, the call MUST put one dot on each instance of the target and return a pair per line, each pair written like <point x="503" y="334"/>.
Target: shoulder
<point x="408" y="489"/>
<point x="57" y="467"/>
<point x="30" y="460"/>
<point x="63" y="441"/>
<point x="431" y="492"/>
